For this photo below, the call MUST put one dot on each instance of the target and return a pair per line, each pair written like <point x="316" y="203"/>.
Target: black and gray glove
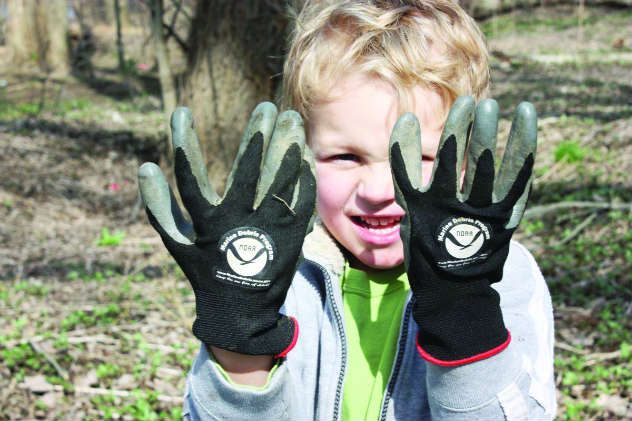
<point x="241" y="251"/>
<point x="456" y="240"/>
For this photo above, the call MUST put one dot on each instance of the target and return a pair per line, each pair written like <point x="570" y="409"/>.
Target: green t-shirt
<point x="373" y="305"/>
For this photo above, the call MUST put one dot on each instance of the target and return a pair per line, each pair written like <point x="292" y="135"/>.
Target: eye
<point x="344" y="157"/>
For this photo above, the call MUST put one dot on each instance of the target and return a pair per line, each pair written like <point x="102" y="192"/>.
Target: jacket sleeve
<point x="210" y="395"/>
<point x="518" y="383"/>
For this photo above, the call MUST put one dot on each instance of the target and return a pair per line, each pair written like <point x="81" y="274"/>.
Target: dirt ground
<point x="96" y="316"/>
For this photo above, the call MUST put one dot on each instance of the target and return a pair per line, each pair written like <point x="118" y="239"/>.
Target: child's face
<point x="349" y="137"/>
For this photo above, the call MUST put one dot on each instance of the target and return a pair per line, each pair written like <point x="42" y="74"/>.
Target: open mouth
<point x="378" y="225"/>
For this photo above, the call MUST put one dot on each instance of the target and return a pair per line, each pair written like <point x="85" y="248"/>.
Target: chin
<point x="379" y="259"/>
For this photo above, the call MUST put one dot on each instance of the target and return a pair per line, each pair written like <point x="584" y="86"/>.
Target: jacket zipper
<point x="343" y="341"/>
<point x="403" y="335"/>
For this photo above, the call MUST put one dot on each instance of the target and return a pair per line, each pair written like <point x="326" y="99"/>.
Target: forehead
<point x="361" y="107"/>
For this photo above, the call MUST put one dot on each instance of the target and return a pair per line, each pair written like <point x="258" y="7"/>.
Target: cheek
<point x="333" y="192"/>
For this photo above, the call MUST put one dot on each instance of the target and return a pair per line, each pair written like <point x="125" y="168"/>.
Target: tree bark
<point x="38" y="34"/>
<point x="167" y="85"/>
<point x="55" y="41"/>
<point x="234" y="62"/>
<point x="20" y="33"/>
<point x="119" y="36"/>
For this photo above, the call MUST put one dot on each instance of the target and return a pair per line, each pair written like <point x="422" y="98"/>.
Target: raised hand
<point x="456" y="240"/>
<point x="240" y="251"/>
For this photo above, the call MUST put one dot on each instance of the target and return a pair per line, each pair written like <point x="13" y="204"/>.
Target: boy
<point x="392" y="295"/>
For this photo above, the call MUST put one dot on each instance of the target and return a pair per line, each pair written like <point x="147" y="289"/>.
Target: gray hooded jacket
<point x="515" y="384"/>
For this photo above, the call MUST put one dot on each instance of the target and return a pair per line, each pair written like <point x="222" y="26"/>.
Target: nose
<point x="375" y="188"/>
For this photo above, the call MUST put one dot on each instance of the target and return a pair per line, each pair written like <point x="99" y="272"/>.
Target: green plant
<point x="98" y="316"/>
<point x="107" y="370"/>
<point x="142" y="407"/>
<point x="108" y="239"/>
<point x="31" y="288"/>
<point x="570" y="150"/>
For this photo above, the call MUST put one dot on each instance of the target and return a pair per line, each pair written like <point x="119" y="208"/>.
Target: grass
<point x="70" y="345"/>
<point x="543" y="20"/>
<point x="106" y="303"/>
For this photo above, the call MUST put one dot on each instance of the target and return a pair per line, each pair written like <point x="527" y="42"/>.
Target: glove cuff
<point x="470" y="359"/>
<point x="284" y="353"/>
<point x="459" y="322"/>
<point x="243" y="328"/>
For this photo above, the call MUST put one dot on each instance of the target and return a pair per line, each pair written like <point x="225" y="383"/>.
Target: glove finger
<point x="261" y="121"/>
<point x="483" y="138"/>
<point x="242" y="181"/>
<point x="406" y="135"/>
<point x="519" y="192"/>
<point x="163" y="210"/>
<point x="522" y="142"/>
<point x="281" y="192"/>
<point x="288" y="131"/>
<point x="446" y="176"/>
<point x="514" y="176"/>
<point x="190" y="170"/>
<point x="304" y="204"/>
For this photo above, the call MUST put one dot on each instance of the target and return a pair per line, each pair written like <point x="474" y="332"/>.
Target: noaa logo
<point x="462" y="237"/>
<point x="247" y="251"/>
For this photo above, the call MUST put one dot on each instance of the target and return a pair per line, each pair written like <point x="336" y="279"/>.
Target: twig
<point x="176" y="400"/>
<point x="52" y="361"/>
<point x="172" y="33"/>
<point x="567" y="347"/>
<point x="285" y="203"/>
<point x="577" y="230"/>
<point x="96" y="338"/>
<point x="539" y="211"/>
<point x="179" y="6"/>
<point x="174" y="18"/>
<point x="125" y="394"/>
<point x="593" y="359"/>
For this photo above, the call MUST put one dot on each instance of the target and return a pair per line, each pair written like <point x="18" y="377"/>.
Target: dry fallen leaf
<point x="87" y="380"/>
<point x="615" y="404"/>
<point x="37" y="384"/>
<point x="125" y="382"/>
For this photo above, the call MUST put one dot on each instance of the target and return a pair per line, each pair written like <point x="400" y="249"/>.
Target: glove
<point x="241" y="251"/>
<point x="456" y="240"/>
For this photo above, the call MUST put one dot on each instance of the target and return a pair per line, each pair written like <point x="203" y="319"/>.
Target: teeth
<point x="376" y="222"/>
<point x="383" y="230"/>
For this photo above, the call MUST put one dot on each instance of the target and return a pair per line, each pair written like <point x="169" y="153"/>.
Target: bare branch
<point x="172" y="33"/>
<point x="539" y="211"/>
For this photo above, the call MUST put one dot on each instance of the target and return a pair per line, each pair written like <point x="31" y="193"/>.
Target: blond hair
<point x="432" y="43"/>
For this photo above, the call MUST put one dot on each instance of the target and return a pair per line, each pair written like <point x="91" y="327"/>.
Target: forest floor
<point x="95" y="317"/>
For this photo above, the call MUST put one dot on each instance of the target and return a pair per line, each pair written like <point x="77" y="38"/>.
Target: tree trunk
<point x="234" y="62"/>
<point x="167" y="85"/>
<point x="21" y="39"/>
<point x="38" y="34"/>
<point x="119" y="36"/>
<point x="55" y="39"/>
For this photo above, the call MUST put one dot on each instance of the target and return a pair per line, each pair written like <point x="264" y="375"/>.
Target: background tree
<point x="37" y="34"/>
<point x="162" y="58"/>
<point x="119" y="37"/>
<point x="234" y="62"/>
